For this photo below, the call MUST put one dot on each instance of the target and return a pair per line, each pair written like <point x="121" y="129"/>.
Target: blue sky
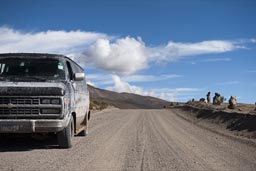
<point x="176" y="49"/>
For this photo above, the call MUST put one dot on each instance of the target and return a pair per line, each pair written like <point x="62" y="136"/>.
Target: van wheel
<point x="66" y="135"/>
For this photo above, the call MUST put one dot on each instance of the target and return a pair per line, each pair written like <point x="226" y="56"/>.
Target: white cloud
<point x="129" y="55"/>
<point x="177" y="90"/>
<point x="50" y="41"/>
<point x="106" y="79"/>
<point x="122" y="86"/>
<point x="125" y="56"/>
<point x="168" y="94"/>
<point x="176" y="94"/>
<point x="149" y="78"/>
<point x="100" y="79"/>
<point x="175" y="50"/>
<point x="96" y="76"/>
<point x="121" y="56"/>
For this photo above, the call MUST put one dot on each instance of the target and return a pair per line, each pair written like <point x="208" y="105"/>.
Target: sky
<point x="171" y="49"/>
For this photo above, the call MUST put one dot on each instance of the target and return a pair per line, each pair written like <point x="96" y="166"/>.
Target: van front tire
<point x="66" y="135"/>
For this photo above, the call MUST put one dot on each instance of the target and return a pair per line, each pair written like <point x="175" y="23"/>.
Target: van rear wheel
<point x="66" y="135"/>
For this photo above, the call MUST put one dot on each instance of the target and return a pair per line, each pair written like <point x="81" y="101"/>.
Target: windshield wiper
<point x="22" y="78"/>
<point x="35" y="78"/>
<point x="9" y="77"/>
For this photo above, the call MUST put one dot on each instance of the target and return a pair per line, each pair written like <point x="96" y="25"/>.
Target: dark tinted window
<point x="31" y="69"/>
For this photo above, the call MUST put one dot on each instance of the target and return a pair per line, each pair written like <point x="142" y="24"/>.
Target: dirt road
<point x="132" y="140"/>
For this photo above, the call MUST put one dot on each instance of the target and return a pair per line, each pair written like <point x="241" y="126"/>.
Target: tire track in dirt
<point x="132" y="140"/>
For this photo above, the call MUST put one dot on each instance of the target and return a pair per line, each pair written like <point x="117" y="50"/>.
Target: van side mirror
<point x="79" y="76"/>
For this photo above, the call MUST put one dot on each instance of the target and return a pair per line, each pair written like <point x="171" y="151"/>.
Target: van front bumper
<point x="32" y="125"/>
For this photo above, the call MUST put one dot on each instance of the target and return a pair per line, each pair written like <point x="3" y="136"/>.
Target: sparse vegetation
<point x="98" y="105"/>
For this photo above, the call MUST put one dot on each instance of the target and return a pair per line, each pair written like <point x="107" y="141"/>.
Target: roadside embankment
<point x="107" y="109"/>
<point x="235" y="123"/>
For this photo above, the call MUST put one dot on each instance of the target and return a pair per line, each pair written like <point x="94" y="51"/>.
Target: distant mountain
<point x="126" y="100"/>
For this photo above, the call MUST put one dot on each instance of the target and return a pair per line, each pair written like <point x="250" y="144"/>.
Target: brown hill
<point x="126" y="100"/>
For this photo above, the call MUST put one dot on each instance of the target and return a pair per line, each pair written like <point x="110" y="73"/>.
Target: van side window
<point x="70" y="72"/>
<point x="77" y="69"/>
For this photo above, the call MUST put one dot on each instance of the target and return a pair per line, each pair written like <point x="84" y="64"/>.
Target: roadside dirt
<point x="132" y="140"/>
<point x="239" y="123"/>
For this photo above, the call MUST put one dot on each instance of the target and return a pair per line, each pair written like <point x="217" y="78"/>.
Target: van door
<point x="81" y="96"/>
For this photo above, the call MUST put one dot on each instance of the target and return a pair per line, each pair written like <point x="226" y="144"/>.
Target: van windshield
<point x="28" y="69"/>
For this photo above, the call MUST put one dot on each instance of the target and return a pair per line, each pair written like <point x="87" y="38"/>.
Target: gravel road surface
<point x="132" y="140"/>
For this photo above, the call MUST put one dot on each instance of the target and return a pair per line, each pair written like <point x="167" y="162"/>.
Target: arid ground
<point x="134" y="140"/>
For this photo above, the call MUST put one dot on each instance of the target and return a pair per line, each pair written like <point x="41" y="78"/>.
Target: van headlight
<point x="50" y="111"/>
<point x="55" y="101"/>
<point x="50" y="101"/>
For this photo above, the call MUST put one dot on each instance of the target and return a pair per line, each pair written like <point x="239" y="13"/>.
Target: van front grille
<point x="29" y="107"/>
<point x="20" y="100"/>
<point x="19" y="111"/>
